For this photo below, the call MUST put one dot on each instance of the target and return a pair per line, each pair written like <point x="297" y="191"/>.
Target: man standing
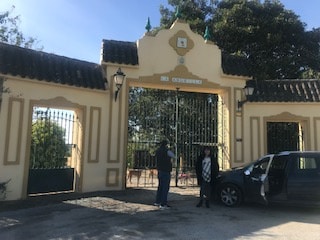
<point x="164" y="166"/>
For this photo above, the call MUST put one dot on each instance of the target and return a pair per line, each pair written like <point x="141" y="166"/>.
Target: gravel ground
<point x="130" y="214"/>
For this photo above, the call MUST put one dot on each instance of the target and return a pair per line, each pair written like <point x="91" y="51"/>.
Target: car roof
<point x="297" y="152"/>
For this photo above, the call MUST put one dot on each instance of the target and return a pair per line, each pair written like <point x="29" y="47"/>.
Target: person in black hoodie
<point x="207" y="169"/>
<point x="164" y="167"/>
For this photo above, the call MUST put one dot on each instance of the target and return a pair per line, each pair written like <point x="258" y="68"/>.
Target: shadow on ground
<point x="132" y="195"/>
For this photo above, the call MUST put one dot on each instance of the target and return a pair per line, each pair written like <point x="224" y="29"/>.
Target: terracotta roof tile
<point x="42" y="66"/>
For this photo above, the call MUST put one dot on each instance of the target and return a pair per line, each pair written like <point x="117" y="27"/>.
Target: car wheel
<point x="230" y="195"/>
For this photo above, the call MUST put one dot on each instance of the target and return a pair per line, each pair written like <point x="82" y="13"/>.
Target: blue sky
<point x="75" y="28"/>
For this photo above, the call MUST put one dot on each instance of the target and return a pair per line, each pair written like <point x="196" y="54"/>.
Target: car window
<point x="279" y="163"/>
<point x="261" y="166"/>
<point x="306" y="163"/>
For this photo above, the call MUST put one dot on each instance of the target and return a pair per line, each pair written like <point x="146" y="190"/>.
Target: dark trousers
<point x="205" y="190"/>
<point x="163" y="187"/>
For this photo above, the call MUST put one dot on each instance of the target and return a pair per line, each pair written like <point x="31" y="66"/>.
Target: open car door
<point x="256" y="180"/>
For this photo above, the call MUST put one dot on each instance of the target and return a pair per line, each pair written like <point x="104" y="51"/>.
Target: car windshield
<point x="259" y="165"/>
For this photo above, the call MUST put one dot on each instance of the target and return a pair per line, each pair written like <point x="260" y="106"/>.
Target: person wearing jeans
<point x="164" y="167"/>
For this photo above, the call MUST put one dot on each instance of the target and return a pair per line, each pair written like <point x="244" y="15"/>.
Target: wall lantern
<point x="118" y="78"/>
<point x="248" y="92"/>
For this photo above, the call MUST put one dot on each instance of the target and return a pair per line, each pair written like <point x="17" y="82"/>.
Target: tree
<point x="10" y="33"/>
<point x="198" y="14"/>
<point x="272" y="40"/>
<point x="48" y="146"/>
<point x="193" y="116"/>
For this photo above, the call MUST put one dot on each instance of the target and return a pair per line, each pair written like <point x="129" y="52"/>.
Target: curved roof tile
<point x="42" y="66"/>
<point x="289" y="90"/>
<point x="120" y="52"/>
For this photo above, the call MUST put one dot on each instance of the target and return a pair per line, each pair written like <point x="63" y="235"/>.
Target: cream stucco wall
<point x="161" y="61"/>
<point x="91" y="106"/>
<point x="255" y="116"/>
<point x="100" y="156"/>
<point x="101" y="148"/>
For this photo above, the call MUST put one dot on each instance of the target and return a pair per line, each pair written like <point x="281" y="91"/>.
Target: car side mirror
<point x="247" y="172"/>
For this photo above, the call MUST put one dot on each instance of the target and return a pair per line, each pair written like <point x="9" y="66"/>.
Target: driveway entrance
<point x="187" y="120"/>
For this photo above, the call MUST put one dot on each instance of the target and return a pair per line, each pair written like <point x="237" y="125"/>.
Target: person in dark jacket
<point x="207" y="169"/>
<point x="164" y="167"/>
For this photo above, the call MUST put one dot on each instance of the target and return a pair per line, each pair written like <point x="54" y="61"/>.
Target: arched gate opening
<point x="188" y="120"/>
<point x="55" y="150"/>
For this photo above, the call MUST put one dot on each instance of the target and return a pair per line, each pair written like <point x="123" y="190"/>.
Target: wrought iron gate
<point x="284" y="136"/>
<point x="188" y="120"/>
<point x="51" y="144"/>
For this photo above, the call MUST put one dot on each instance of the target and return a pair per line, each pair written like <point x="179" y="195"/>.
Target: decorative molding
<point x="81" y="111"/>
<point x="180" y="78"/>
<point x="57" y="101"/>
<point x="289" y="117"/>
<point x="255" y="138"/>
<point x="316" y="132"/>
<point x="284" y="116"/>
<point x="181" y="43"/>
<point x="112" y="177"/>
<point x="13" y="132"/>
<point x="94" y="134"/>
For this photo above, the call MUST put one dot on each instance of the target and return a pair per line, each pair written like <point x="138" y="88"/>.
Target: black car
<point x="287" y="177"/>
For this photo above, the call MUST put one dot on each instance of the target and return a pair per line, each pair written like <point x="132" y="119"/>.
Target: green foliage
<point x="197" y="14"/>
<point x="48" y="147"/>
<point x="10" y="33"/>
<point x="272" y="39"/>
<point x="188" y="119"/>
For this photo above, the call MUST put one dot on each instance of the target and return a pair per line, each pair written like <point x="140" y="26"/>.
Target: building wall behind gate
<point x="255" y="125"/>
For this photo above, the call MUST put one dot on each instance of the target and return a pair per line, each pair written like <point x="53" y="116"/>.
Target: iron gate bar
<point x="51" y="140"/>
<point x="283" y="136"/>
<point x="176" y="134"/>
<point x="187" y="120"/>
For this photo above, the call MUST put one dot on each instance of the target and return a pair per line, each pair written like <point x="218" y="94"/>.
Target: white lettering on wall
<point x="181" y="80"/>
<point x="164" y="79"/>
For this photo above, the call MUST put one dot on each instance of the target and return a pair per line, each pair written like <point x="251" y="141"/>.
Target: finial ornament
<point x="207" y="35"/>
<point x="178" y="14"/>
<point x="148" y="26"/>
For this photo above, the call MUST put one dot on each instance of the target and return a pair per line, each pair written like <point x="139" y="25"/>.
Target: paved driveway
<point x="130" y="215"/>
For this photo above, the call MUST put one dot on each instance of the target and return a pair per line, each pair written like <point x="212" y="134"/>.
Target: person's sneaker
<point x="207" y="204"/>
<point x="156" y="204"/>
<point x="164" y="207"/>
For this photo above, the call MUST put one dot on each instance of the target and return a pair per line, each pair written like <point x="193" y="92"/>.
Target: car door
<point x="255" y="179"/>
<point x="304" y="178"/>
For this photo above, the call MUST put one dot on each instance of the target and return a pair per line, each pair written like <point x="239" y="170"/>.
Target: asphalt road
<point x="130" y="214"/>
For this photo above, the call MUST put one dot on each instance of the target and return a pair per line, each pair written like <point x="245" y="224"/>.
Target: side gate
<point x="50" y="167"/>
<point x="284" y="136"/>
<point x="187" y="120"/>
